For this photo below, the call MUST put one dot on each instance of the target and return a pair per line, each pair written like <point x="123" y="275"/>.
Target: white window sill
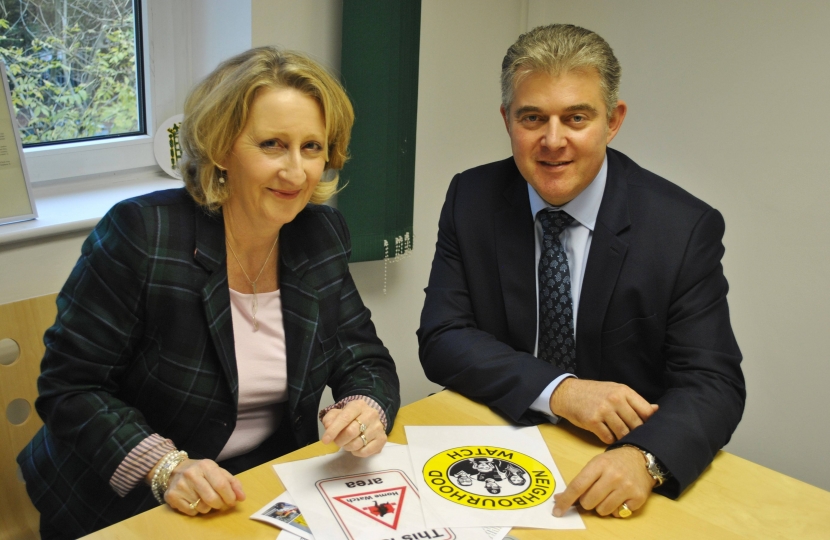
<point x="70" y="207"/>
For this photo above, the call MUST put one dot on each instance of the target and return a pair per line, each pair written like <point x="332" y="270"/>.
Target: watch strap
<point x="653" y="467"/>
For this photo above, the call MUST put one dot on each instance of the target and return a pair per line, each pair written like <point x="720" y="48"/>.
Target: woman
<point x="197" y="331"/>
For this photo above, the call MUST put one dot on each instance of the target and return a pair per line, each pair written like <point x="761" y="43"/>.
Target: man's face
<point x="558" y="130"/>
<point x="483" y="466"/>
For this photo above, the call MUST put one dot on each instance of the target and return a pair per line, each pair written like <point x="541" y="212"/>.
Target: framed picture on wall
<point x="16" y="201"/>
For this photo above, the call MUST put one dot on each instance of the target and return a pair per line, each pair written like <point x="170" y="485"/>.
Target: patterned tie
<point x="556" y="321"/>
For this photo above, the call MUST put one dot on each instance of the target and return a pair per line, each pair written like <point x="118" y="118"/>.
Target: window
<point x="165" y="54"/>
<point x="181" y="41"/>
<point x="74" y="68"/>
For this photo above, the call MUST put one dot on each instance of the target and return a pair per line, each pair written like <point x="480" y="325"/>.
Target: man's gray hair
<point x="556" y="49"/>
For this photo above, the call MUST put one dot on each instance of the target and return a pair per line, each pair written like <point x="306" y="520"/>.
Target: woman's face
<point x="278" y="159"/>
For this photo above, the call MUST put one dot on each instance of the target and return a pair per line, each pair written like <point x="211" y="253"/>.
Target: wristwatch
<point x="653" y="468"/>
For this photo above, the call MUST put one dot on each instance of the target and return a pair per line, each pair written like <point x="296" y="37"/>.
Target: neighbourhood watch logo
<point x="489" y="477"/>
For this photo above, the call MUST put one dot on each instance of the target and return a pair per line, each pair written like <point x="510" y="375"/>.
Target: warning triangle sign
<point x="383" y="506"/>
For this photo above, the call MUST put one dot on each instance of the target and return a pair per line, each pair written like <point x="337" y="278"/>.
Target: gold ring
<point x="625" y="511"/>
<point x="195" y="503"/>
<point x="363" y="438"/>
<point x="361" y="424"/>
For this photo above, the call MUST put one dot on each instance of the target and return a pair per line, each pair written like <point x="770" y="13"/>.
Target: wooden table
<point x="734" y="498"/>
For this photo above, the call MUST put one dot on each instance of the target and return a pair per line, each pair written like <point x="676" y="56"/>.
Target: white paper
<point x="474" y="476"/>
<point x="285" y="514"/>
<point x="494" y="533"/>
<point x="347" y="498"/>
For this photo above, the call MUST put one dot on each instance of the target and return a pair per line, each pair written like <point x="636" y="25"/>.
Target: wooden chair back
<point x="22" y="325"/>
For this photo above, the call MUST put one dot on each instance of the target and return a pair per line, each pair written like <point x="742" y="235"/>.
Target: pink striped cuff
<point x="139" y="462"/>
<point x="369" y="401"/>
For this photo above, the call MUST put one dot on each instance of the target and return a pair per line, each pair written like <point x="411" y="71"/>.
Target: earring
<point x="221" y="177"/>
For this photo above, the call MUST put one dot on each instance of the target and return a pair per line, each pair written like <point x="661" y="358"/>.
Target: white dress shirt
<point x="576" y="241"/>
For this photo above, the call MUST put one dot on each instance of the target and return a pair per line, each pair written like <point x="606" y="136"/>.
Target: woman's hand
<point x="343" y="426"/>
<point x="204" y="481"/>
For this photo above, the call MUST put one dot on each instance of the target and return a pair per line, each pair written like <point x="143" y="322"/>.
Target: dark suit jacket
<point x="143" y="343"/>
<point x="652" y="313"/>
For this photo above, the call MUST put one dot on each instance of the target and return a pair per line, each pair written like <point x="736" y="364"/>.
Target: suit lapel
<point x="300" y="309"/>
<point x="515" y="245"/>
<point x="210" y="253"/>
<point x="605" y="259"/>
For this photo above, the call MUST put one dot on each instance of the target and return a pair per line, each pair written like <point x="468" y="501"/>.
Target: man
<point x="568" y="282"/>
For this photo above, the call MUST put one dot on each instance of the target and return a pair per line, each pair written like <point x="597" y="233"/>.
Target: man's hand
<point x="343" y="427"/>
<point x="606" y="409"/>
<point x="610" y="479"/>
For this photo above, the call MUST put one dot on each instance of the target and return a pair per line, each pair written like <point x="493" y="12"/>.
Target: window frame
<point x="165" y="53"/>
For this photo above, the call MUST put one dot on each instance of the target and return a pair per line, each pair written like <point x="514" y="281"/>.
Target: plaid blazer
<point x="143" y="343"/>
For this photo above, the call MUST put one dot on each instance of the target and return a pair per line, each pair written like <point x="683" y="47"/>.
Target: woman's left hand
<point x="343" y="426"/>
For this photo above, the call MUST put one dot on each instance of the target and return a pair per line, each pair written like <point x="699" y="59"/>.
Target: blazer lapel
<point x="300" y="309"/>
<point x="605" y="259"/>
<point x="210" y="253"/>
<point x="515" y="245"/>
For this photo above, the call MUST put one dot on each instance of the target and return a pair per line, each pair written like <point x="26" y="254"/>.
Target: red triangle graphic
<point x="384" y="508"/>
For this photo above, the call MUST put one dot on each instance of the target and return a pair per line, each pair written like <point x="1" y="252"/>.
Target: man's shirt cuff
<point x="542" y="403"/>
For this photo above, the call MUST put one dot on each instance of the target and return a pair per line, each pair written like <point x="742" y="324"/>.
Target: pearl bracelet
<point x="161" y="477"/>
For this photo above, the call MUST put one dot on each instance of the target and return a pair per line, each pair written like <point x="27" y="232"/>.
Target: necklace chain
<point x="254" y="302"/>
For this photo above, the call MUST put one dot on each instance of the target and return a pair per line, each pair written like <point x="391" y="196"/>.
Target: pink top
<point x="261" y="368"/>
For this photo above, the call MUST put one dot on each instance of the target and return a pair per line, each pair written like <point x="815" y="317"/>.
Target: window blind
<point x="379" y="69"/>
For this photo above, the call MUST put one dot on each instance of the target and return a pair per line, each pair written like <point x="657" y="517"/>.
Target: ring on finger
<point x="625" y="511"/>
<point x="362" y="426"/>
<point x="363" y="438"/>
<point x="195" y="503"/>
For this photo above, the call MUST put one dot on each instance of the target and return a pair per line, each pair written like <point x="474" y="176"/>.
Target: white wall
<point x="310" y="26"/>
<point x="219" y="29"/>
<point x="729" y="100"/>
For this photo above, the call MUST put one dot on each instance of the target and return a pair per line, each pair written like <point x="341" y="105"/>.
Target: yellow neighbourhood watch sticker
<point x="489" y="477"/>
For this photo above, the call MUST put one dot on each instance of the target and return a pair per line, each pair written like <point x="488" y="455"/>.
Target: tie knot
<point x="554" y="222"/>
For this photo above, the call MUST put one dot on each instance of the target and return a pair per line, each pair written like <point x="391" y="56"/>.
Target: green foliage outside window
<point x="71" y="67"/>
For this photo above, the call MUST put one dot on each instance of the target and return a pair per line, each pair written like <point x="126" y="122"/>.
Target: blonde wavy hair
<point x="559" y="48"/>
<point x="217" y="109"/>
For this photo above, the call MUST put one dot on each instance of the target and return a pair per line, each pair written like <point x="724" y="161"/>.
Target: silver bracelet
<point x="161" y="477"/>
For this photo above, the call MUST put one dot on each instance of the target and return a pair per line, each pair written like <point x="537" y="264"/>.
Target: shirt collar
<point x="585" y="206"/>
